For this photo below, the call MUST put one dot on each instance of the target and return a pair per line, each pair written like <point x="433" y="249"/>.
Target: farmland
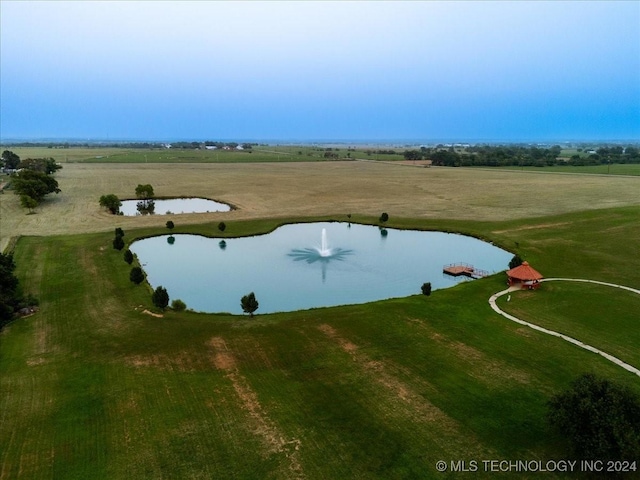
<point x="92" y="387"/>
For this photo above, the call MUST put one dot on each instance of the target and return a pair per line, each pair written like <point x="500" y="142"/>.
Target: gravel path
<point x="617" y="361"/>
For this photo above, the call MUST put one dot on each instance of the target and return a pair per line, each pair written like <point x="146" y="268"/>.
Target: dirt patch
<point x="533" y="227"/>
<point x="223" y="359"/>
<point x="157" y="315"/>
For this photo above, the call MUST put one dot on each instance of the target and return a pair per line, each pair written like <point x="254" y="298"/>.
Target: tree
<point x="9" y="288"/>
<point x="144" y="191"/>
<point x="44" y="165"/>
<point x="412" y="155"/>
<point x="34" y="184"/>
<point x="178" y="305"/>
<point x="384" y="217"/>
<point x="160" y="297"/>
<point x="27" y="202"/>
<point x="118" y="243"/>
<point x="600" y="419"/>
<point x="10" y="160"/>
<point x="111" y="202"/>
<point x="516" y="261"/>
<point x="222" y="226"/>
<point x="119" y="232"/>
<point x="128" y="256"/>
<point x="136" y="275"/>
<point x="170" y="225"/>
<point x="249" y="303"/>
<point x="426" y="288"/>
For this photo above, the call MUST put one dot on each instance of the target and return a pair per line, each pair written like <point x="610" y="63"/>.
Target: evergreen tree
<point x="249" y="304"/>
<point x="160" y="297"/>
<point x="136" y="275"/>
<point x="128" y="256"/>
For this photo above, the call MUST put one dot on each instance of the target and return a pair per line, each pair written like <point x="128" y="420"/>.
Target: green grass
<point x="93" y="388"/>
<point x="601" y="316"/>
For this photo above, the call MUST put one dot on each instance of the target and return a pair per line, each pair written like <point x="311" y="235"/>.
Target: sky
<point x="312" y="71"/>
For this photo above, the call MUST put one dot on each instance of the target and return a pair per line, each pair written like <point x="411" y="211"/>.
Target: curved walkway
<point x="617" y="361"/>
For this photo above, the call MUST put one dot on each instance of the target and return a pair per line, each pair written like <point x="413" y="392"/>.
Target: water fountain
<point x="324" y="254"/>
<point x="324" y="250"/>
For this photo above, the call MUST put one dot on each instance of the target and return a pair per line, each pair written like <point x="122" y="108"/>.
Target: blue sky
<point x="499" y="71"/>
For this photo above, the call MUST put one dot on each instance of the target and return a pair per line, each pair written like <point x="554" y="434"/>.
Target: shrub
<point x="111" y="202"/>
<point x="600" y="419"/>
<point x="384" y="217"/>
<point x="160" y="297"/>
<point x="426" y="288"/>
<point x="178" y="305"/>
<point x="119" y="232"/>
<point x="128" y="256"/>
<point x="222" y="226"/>
<point x="118" y="243"/>
<point x="136" y="275"/>
<point x="170" y="225"/>
<point x="249" y="303"/>
<point x="516" y="261"/>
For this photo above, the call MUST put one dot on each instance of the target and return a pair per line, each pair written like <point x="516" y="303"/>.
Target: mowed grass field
<point x="92" y="387"/>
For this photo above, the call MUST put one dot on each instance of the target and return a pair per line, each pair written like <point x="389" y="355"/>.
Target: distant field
<point x="260" y="190"/>
<point x="261" y="153"/>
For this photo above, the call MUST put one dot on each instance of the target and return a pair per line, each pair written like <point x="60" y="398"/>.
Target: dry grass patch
<point x="263" y="190"/>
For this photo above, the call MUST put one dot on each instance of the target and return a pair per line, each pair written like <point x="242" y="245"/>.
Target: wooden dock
<point x="464" y="269"/>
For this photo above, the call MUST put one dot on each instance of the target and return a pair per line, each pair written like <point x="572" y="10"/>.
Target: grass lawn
<point x="93" y="387"/>
<point x="604" y="317"/>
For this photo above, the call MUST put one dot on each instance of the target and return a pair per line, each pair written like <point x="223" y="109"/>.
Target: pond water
<point x="304" y="266"/>
<point x="174" y="205"/>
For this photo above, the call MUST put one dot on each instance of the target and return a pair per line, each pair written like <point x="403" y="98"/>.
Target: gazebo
<point x="524" y="276"/>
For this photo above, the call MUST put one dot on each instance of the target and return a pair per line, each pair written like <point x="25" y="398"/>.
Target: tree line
<point x="522" y="156"/>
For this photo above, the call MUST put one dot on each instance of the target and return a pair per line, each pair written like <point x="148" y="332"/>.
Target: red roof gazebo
<point x="525" y="276"/>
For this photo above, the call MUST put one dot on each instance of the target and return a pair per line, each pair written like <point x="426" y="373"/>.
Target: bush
<point x="426" y="288"/>
<point x="118" y="243"/>
<point x="384" y="217"/>
<point x="178" y="305"/>
<point x="170" y="225"/>
<point x="119" y="232"/>
<point x="136" y="275"/>
<point x="222" y="226"/>
<point x="160" y="297"/>
<point x="600" y="419"/>
<point x="249" y="303"/>
<point x="516" y="261"/>
<point x="111" y="202"/>
<point x="128" y="256"/>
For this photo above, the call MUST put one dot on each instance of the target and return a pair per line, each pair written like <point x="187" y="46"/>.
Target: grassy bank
<point x="92" y="387"/>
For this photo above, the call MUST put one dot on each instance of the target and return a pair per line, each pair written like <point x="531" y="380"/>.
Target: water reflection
<point x="313" y="255"/>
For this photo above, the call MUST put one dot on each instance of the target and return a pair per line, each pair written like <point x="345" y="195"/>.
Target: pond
<point x="304" y="266"/>
<point x="167" y="206"/>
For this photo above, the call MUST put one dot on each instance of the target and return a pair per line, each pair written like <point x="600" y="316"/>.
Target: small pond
<point x="311" y="265"/>
<point x="167" y="206"/>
